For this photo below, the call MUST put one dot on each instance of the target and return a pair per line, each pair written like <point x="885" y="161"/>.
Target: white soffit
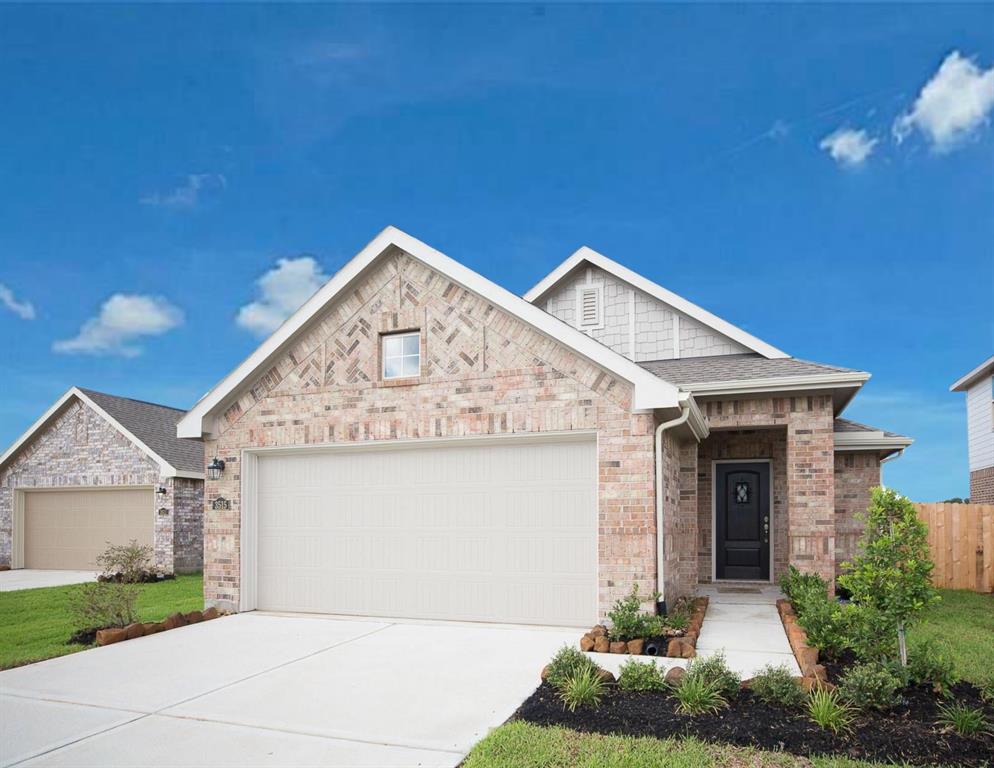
<point x="650" y="392"/>
<point x="645" y="285"/>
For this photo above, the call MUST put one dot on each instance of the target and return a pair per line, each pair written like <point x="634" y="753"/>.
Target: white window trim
<point x="599" y="291"/>
<point x="383" y="354"/>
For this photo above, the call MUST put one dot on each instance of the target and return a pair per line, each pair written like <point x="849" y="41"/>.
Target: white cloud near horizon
<point x="187" y="195"/>
<point x="282" y="291"/>
<point x="849" y="147"/>
<point x="951" y="106"/>
<point x="23" y="309"/>
<point x="123" y="320"/>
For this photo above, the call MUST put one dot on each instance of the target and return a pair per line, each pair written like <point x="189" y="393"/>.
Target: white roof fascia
<point x="870" y="441"/>
<point x="165" y="468"/>
<point x="650" y="392"/>
<point x="779" y="384"/>
<point x="967" y="381"/>
<point x="645" y="285"/>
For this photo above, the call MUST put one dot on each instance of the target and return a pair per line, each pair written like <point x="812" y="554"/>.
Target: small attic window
<point x="589" y="307"/>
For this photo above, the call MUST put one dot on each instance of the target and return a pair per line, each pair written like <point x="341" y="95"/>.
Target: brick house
<point x="978" y="385"/>
<point x="97" y="468"/>
<point x="417" y="441"/>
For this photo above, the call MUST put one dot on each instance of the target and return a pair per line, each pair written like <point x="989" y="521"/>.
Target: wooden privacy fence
<point x="961" y="540"/>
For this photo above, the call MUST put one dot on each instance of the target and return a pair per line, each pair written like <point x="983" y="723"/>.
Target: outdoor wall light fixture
<point x="161" y="490"/>
<point x="215" y="468"/>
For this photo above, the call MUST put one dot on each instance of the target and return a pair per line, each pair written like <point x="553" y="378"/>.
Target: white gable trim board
<point x="165" y="468"/>
<point x="650" y="392"/>
<point x="678" y="303"/>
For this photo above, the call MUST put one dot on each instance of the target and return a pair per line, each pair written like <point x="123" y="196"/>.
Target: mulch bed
<point x="906" y="733"/>
<point x="148" y="577"/>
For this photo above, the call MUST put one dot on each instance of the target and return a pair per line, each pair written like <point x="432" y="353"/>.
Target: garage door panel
<point x="68" y="529"/>
<point x="489" y="531"/>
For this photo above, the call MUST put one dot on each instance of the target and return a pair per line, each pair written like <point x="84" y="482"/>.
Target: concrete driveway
<point x="30" y="578"/>
<point x="261" y="689"/>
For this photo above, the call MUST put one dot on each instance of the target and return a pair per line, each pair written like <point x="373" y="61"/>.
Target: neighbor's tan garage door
<point x="495" y="530"/>
<point x="68" y="529"/>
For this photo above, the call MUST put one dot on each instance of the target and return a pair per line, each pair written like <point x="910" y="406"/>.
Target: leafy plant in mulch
<point x="714" y="670"/>
<point x="641" y="676"/>
<point x="567" y="663"/>
<point x="98" y="605"/>
<point x="582" y="688"/>
<point x="829" y="711"/>
<point x="696" y="695"/>
<point x="892" y="572"/>
<point x="928" y="665"/>
<point x="776" y="685"/>
<point x="129" y="563"/>
<point x="870" y="685"/>
<point x="629" y="622"/>
<point x="964" y="720"/>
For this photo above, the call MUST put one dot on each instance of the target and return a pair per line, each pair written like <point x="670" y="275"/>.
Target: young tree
<point x="892" y="572"/>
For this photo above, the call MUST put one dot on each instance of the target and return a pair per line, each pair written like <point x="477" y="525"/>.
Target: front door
<point x="742" y="521"/>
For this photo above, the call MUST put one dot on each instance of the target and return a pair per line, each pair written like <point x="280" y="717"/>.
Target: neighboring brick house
<point x="417" y="441"/>
<point x="979" y="387"/>
<point x="98" y="469"/>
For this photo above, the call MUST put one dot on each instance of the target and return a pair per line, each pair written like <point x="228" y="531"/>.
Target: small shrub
<point x="696" y="696"/>
<point x="677" y="619"/>
<point x="927" y="664"/>
<point x="628" y="622"/>
<point x="964" y="720"/>
<point x="796" y="585"/>
<point x="641" y="676"/>
<point x="869" y="686"/>
<point x="823" y="619"/>
<point x="829" y="711"/>
<point x="129" y="563"/>
<point x="777" y="685"/>
<point x="583" y="688"/>
<point x="567" y="662"/>
<point x="868" y="632"/>
<point x="714" y="670"/>
<point x="98" y="605"/>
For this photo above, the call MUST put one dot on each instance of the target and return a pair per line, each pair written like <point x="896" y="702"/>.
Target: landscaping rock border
<point x="813" y="674"/>
<point x="138" y="629"/>
<point x="678" y="646"/>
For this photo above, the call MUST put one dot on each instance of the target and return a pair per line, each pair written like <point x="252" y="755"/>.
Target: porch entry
<point x="742" y="521"/>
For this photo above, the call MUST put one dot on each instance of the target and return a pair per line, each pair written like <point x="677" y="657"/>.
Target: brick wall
<point x="80" y="449"/>
<point x="483" y="372"/>
<point x="188" y="524"/>
<point x="856" y="474"/>
<point x="810" y="470"/>
<point x="982" y="486"/>
<point x="743" y="444"/>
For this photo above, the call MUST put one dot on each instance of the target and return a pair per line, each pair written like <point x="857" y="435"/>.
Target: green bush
<point x="583" y="688"/>
<point x="892" y="572"/>
<point x="927" y="664"/>
<point x="966" y="721"/>
<point x="868" y="632"/>
<point x="98" y="605"/>
<point x="696" y="696"/>
<point x="797" y="585"/>
<point x="628" y="622"/>
<point x="714" y="670"/>
<point x="829" y="711"/>
<point x="641" y="676"/>
<point x="778" y="686"/>
<point x="822" y="618"/>
<point x="567" y="662"/>
<point x="870" y="685"/>
<point x="129" y="563"/>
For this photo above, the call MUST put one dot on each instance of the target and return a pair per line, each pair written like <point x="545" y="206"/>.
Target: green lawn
<point x="35" y="623"/>
<point x="962" y="624"/>
<point x="523" y="745"/>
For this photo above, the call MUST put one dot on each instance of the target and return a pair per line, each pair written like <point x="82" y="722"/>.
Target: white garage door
<point x="492" y="530"/>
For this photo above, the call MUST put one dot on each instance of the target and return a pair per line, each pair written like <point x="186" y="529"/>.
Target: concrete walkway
<point x="742" y="621"/>
<point x="261" y="689"/>
<point x="31" y="578"/>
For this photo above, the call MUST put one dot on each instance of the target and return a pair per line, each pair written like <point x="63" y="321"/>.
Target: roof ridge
<point x="131" y="399"/>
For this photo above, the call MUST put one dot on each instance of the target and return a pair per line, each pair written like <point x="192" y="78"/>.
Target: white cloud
<point x="187" y="195"/>
<point x="123" y="319"/>
<point x="778" y="130"/>
<point x="952" y="105"/>
<point x="282" y="290"/>
<point x="849" y="147"/>
<point x="23" y="309"/>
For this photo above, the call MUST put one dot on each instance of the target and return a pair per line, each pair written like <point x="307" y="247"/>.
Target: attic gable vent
<point x="589" y="309"/>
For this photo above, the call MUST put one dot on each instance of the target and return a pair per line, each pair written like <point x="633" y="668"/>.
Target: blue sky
<point x="820" y="176"/>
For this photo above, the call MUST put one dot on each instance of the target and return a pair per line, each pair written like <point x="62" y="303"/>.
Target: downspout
<point x="660" y="540"/>
<point x="884" y="460"/>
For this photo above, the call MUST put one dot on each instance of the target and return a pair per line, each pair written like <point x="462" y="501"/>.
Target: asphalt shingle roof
<point x="751" y="365"/>
<point x="848" y="425"/>
<point x="154" y="425"/>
